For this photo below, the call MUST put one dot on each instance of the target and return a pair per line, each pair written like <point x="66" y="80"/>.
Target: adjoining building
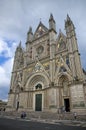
<point x="3" y="105"/>
<point x="47" y="75"/>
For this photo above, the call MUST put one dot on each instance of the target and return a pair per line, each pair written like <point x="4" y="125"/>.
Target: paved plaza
<point x="11" y="123"/>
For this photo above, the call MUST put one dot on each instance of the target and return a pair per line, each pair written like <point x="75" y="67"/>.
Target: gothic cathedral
<point x="47" y="75"/>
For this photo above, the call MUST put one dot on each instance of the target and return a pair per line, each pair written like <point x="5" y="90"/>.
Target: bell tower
<point x="74" y="55"/>
<point x="29" y="38"/>
<point x="18" y="59"/>
<point x="18" y="63"/>
<point x="52" y="37"/>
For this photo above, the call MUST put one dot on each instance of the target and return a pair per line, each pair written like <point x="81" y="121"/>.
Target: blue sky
<point x="17" y="15"/>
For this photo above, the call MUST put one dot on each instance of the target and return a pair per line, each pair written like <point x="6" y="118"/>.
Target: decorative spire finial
<point x="30" y="30"/>
<point x="20" y="43"/>
<point x="51" y="16"/>
<point x="68" y="18"/>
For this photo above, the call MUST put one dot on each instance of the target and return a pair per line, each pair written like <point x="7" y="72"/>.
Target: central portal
<point x="38" y="102"/>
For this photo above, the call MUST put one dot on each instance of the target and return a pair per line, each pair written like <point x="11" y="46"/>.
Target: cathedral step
<point x="45" y="115"/>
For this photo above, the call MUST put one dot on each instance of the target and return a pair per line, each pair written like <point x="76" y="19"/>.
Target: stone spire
<point x="30" y="30"/>
<point x="29" y="35"/>
<point x="68" y="22"/>
<point x="68" y="18"/>
<point x="52" y="38"/>
<point x="20" y="44"/>
<point x="52" y="24"/>
<point x="74" y="57"/>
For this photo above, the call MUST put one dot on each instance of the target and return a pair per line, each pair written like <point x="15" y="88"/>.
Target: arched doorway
<point x="64" y="96"/>
<point x="36" y="85"/>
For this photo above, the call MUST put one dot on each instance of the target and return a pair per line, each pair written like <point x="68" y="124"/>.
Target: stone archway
<point x="63" y="82"/>
<point x="64" y="95"/>
<point x="35" y="79"/>
<point x="36" y="86"/>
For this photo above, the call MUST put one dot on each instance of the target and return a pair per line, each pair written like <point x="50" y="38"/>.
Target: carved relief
<point x="46" y="65"/>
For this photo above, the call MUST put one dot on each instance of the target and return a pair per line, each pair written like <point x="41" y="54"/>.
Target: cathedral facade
<point x="47" y="75"/>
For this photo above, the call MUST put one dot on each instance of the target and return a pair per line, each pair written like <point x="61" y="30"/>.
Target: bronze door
<point x="38" y="102"/>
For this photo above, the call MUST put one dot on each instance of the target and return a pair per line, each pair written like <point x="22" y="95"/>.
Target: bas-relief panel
<point x="30" y="100"/>
<point x="52" y="97"/>
<point x="27" y="71"/>
<point x="23" y="100"/>
<point x="46" y="98"/>
<point x="77" y="96"/>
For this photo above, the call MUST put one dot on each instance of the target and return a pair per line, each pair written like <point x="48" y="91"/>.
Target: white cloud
<point x="5" y="78"/>
<point x="5" y="73"/>
<point x="5" y="49"/>
<point x="3" y="46"/>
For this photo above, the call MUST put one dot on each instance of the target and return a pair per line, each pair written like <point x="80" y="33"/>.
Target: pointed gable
<point x="62" y="67"/>
<point x="40" y="31"/>
<point x="61" y="41"/>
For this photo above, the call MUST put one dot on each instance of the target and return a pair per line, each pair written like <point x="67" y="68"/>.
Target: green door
<point x="38" y="102"/>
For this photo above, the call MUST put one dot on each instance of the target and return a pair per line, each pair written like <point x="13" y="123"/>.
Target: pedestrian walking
<point x="75" y="115"/>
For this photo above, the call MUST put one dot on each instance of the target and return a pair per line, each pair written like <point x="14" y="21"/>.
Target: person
<point x="23" y="115"/>
<point x="75" y="115"/>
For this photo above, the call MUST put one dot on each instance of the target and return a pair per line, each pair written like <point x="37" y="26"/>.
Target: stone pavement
<point x="50" y="121"/>
<point x="61" y="122"/>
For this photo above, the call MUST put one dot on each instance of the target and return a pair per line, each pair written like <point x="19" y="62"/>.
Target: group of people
<point x="23" y="115"/>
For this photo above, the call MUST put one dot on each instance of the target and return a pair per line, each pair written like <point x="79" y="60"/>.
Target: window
<point x="40" y="49"/>
<point x="38" y="86"/>
<point x="62" y="69"/>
